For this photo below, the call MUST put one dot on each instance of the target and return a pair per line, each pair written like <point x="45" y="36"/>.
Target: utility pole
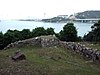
<point x="44" y="15"/>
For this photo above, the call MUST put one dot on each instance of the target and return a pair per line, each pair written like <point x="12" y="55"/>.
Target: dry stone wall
<point x="42" y="41"/>
<point x="49" y="41"/>
<point x="92" y="54"/>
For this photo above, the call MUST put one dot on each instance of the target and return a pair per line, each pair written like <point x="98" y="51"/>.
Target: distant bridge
<point x="87" y="20"/>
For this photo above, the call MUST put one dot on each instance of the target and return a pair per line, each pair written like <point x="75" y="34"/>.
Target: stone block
<point x="18" y="56"/>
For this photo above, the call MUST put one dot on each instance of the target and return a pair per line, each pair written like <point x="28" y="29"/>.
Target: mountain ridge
<point x="88" y="14"/>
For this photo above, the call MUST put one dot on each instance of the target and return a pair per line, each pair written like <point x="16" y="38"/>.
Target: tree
<point x="17" y="35"/>
<point x="9" y="37"/>
<point x="1" y="40"/>
<point x="69" y="33"/>
<point x="26" y="34"/>
<point x="50" y="31"/>
<point x="94" y="34"/>
<point x="38" y="31"/>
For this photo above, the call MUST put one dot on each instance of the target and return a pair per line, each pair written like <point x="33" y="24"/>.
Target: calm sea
<point x="82" y="28"/>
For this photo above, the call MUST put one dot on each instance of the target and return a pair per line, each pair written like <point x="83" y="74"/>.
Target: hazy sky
<point x="14" y="9"/>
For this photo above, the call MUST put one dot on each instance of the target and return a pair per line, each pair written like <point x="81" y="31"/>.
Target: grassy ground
<point x="46" y="61"/>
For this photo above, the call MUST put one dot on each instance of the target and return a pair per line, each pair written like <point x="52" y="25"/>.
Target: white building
<point x="63" y="16"/>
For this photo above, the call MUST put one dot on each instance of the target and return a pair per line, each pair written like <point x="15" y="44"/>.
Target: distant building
<point x="72" y="17"/>
<point x="63" y="16"/>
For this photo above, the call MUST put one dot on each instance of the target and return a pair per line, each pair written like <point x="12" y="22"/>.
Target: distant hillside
<point x="88" y="14"/>
<point x="59" y="18"/>
<point x="80" y="15"/>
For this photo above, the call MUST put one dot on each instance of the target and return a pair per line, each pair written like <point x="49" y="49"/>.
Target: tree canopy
<point x="94" y="34"/>
<point x="50" y="31"/>
<point x="1" y="40"/>
<point x="69" y="33"/>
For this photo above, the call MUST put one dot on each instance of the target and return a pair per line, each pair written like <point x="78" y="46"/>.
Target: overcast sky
<point x="14" y="9"/>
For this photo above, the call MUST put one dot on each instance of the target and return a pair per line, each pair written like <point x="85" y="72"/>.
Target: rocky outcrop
<point x="42" y="41"/>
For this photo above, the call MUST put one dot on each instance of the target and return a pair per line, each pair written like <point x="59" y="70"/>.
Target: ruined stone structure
<point x="91" y="54"/>
<point x="50" y="41"/>
<point x="42" y="41"/>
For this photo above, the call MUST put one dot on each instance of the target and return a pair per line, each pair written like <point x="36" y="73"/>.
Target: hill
<point x="46" y="61"/>
<point x="55" y="19"/>
<point x="88" y="14"/>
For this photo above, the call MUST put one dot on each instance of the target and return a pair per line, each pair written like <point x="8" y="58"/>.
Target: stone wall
<point x="91" y="54"/>
<point x="49" y="41"/>
<point x="42" y="41"/>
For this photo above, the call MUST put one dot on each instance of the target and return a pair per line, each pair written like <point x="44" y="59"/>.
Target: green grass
<point x="46" y="61"/>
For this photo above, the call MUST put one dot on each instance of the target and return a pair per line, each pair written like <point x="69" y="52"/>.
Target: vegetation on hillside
<point x="46" y="61"/>
<point x="56" y="19"/>
<point x="88" y="15"/>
